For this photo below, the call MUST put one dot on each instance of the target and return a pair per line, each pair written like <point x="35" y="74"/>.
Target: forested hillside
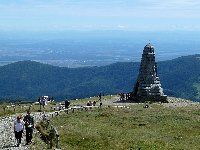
<point x="27" y="80"/>
<point x="181" y="77"/>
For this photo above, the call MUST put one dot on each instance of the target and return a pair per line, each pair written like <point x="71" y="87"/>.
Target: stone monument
<point x="148" y="86"/>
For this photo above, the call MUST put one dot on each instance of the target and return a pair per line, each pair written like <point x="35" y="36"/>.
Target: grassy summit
<point x="161" y="126"/>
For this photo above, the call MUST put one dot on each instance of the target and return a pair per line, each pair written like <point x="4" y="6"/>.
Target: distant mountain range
<point x="27" y="80"/>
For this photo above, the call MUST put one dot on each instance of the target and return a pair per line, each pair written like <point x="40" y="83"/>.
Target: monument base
<point x="141" y="99"/>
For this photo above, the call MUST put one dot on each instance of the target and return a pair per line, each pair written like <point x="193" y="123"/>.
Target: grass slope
<point x="157" y="127"/>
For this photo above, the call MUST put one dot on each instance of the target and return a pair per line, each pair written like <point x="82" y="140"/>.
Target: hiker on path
<point x="29" y="126"/>
<point x="67" y="103"/>
<point x="18" y="129"/>
<point x="99" y="96"/>
<point x="94" y="103"/>
<point x="100" y="104"/>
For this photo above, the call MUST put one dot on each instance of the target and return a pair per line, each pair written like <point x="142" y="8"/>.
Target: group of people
<point x="124" y="96"/>
<point x="21" y="124"/>
<point x="90" y="103"/>
<point x="43" y="100"/>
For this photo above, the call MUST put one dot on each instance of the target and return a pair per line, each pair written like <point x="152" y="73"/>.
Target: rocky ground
<point x="7" y="138"/>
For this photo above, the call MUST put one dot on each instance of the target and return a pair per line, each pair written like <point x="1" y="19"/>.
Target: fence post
<point x="66" y="110"/>
<point x="4" y="108"/>
<point x="51" y="137"/>
<point x="57" y="139"/>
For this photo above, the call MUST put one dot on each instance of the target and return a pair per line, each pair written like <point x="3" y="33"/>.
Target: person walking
<point x="18" y="129"/>
<point x="67" y="103"/>
<point x="99" y="96"/>
<point x="29" y="126"/>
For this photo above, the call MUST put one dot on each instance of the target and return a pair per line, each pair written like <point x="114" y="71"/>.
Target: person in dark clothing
<point x="94" y="103"/>
<point x="67" y="103"/>
<point x="88" y="103"/>
<point x="99" y="96"/>
<point x="100" y="104"/>
<point x="29" y="126"/>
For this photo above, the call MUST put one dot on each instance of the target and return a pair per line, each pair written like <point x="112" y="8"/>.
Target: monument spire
<point x="148" y="86"/>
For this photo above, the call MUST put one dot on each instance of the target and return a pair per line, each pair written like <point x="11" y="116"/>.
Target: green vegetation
<point x="16" y="108"/>
<point x="179" y="75"/>
<point x="47" y="132"/>
<point x="157" y="127"/>
<point x="197" y="86"/>
<point x="27" y="80"/>
<point x="133" y="127"/>
<point x="84" y="101"/>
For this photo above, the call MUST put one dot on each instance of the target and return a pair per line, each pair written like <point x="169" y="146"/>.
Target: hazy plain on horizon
<point x="94" y="48"/>
<point x="78" y="33"/>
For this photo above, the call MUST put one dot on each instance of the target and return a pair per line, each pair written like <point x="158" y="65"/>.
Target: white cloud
<point x="121" y="26"/>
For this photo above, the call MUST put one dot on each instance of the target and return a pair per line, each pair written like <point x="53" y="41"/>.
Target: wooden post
<point x="4" y="108"/>
<point x="57" y="139"/>
<point x="40" y="107"/>
<point x="51" y="134"/>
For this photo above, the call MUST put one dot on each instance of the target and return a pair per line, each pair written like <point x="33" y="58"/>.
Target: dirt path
<point x="173" y="102"/>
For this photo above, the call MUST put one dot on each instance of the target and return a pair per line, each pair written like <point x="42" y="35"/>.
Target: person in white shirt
<point x="18" y="129"/>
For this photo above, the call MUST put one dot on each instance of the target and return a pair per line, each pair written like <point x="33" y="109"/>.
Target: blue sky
<point x="60" y="15"/>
